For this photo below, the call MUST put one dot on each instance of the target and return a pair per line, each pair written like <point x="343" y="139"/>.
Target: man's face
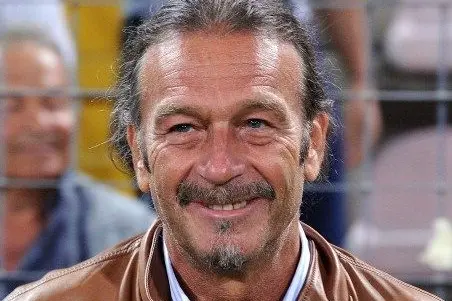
<point x="37" y="128"/>
<point x="222" y="130"/>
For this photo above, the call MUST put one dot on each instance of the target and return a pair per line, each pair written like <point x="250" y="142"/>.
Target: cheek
<point x="64" y="124"/>
<point x="155" y="152"/>
<point x="8" y="132"/>
<point x="169" y="166"/>
<point x="168" y="169"/>
<point x="12" y="127"/>
<point x="279" y="164"/>
<point x="287" y="177"/>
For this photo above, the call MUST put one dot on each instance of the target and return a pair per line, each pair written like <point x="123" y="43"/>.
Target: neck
<point x="22" y="220"/>
<point x="264" y="279"/>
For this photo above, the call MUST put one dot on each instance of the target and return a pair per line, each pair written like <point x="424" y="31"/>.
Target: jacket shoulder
<point x="111" y="217"/>
<point x="84" y="280"/>
<point x="363" y="274"/>
<point x="106" y="201"/>
<point x="335" y="274"/>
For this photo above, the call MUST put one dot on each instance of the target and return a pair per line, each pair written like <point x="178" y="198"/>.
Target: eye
<point x="256" y="123"/>
<point x="181" y="128"/>
<point x="14" y="104"/>
<point x="54" y="103"/>
<point x="49" y="103"/>
<point x="183" y="134"/>
<point x="257" y="131"/>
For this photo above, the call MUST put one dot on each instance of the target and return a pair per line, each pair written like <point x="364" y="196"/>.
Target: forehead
<point x="202" y="59"/>
<point x="29" y="64"/>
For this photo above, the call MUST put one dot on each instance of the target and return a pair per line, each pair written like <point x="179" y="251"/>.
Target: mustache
<point x="229" y="193"/>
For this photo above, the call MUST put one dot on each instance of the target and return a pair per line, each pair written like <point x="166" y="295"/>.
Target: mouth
<point x="228" y="207"/>
<point x="224" y="196"/>
<point x="35" y="148"/>
<point x="239" y="211"/>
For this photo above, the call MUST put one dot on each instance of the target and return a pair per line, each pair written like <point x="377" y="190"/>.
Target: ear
<point x="141" y="172"/>
<point x="317" y="146"/>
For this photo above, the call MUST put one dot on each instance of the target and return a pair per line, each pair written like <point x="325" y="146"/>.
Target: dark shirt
<point x="67" y="239"/>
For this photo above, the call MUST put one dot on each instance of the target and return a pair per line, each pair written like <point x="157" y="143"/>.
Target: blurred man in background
<point x="58" y="224"/>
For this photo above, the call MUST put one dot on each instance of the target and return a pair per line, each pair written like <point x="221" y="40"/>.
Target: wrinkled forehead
<point x="206" y="47"/>
<point x="198" y="53"/>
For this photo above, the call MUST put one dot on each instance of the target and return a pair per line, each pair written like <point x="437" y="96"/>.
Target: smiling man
<point x="222" y="116"/>
<point x="50" y="226"/>
<point x="221" y="137"/>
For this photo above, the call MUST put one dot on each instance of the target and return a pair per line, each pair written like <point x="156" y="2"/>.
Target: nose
<point x="33" y="116"/>
<point x="220" y="161"/>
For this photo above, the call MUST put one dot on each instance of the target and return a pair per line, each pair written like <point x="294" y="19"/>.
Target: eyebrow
<point x="261" y="102"/>
<point x="265" y="102"/>
<point x="171" y="109"/>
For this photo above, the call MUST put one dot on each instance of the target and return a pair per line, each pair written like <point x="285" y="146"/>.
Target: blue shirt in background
<point x="84" y="218"/>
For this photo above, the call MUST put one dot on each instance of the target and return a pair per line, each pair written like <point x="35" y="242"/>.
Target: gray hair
<point x="30" y="33"/>
<point x="269" y="18"/>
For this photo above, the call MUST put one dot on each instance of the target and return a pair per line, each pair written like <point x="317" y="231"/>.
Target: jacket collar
<point x="324" y="265"/>
<point x="153" y="280"/>
<point x="334" y="274"/>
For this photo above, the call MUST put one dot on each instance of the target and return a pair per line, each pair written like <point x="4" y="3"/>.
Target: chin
<point x="229" y="254"/>
<point x="232" y="259"/>
<point x="227" y="260"/>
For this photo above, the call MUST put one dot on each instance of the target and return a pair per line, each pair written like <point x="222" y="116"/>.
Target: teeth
<point x="228" y="207"/>
<point x="217" y="207"/>
<point x="240" y="205"/>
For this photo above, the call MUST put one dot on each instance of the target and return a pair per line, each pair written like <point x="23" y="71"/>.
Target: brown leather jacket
<point x="134" y="270"/>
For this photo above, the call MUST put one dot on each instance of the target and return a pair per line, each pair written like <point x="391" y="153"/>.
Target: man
<point x="344" y="20"/>
<point x="45" y="228"/>
<point x="222" y="115"/>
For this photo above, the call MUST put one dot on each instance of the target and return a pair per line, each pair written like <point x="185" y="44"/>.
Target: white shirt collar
<point x="298" y="280"/>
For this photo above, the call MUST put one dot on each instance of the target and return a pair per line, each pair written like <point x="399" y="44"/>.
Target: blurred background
<point x="388" y="180"/>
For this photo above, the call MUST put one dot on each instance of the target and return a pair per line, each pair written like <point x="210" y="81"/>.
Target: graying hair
<point x="270" y="18"/>
<point x="30" y="33"/>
